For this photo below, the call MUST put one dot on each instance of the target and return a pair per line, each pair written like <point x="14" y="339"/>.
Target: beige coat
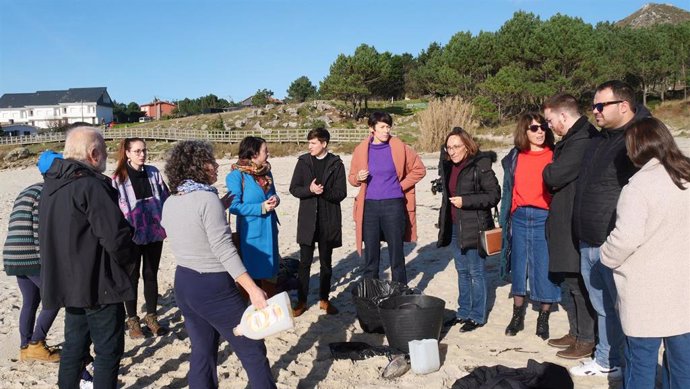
<point x="649" y="252"/>
<point x="410" y="170"/>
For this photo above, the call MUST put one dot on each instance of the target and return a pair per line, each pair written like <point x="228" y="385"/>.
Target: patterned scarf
<point x="189" y="186"/>
<point x="260" y="173"/>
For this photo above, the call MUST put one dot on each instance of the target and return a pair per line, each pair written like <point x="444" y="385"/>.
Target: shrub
<point x="439" y="118"/>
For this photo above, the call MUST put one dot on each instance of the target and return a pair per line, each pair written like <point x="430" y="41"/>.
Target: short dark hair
<point x="520" y="134"/>
<point x="187" y="161"/>
<point x="563" y="102"/>
<point x="649" y="138"/>
<point x="466" y="138"/>
<point x="250" y="147"/>
<point x="621" y="91"/>
<point x="319" y="133"/>
<point x="379" y="116"/>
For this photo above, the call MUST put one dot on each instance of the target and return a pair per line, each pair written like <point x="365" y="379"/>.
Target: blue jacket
<point x="258" y="232"/>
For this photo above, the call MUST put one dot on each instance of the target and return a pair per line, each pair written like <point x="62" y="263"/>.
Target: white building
<point x="46" y="109"/>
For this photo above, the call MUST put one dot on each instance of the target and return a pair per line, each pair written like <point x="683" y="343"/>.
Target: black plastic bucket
<point x="367" y="294"/>
<point x="412" y="317"/>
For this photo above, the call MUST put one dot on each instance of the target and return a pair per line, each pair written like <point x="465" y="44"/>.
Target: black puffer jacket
<point x="561" y="178"/>
<point x="605" y="169"/>
<point x="327" y="204"/>
<point x="86" y="243"/>
<point x="478" y="186"/>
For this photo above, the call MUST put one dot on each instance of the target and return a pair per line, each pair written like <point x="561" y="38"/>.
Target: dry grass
<point x="439" y="118"/>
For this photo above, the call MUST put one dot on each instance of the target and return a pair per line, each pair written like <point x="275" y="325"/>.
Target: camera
<point x="436" y="185"/>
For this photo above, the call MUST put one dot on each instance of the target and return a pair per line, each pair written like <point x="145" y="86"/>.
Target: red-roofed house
<point x="157" y="108"/>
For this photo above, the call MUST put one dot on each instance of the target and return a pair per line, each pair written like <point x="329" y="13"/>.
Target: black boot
<point x="517" y="323"/>
<point x="543" y="324"/>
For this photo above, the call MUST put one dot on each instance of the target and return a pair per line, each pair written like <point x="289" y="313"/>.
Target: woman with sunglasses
<point x="142" y="193"/>
<point x="524" y="208"/>
<point x="470" y="192"/>
<point x="648" y="252"/>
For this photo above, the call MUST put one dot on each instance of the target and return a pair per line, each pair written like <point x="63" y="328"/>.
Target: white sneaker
<point x="592" y="368"/>
<point x="84" y="384"/>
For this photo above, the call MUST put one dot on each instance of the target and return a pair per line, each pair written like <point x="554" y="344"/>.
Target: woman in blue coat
<point x="254" y="201"/>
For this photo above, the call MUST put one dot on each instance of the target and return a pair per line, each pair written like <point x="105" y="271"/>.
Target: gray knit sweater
<point x="199" y="234"/>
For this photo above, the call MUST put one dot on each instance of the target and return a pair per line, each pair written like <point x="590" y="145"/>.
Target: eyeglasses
<point x="537" y="127"/>
<point x="600" y="106"/>
<point x="453" y="148"/>
<point x="139" y="152"/>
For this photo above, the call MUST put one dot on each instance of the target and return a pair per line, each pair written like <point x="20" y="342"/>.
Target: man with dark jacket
<point x="606" y="168"/>
<point x="562" y="114"/>
<point x="85" y="246"/>
<point x="319" y="183"/>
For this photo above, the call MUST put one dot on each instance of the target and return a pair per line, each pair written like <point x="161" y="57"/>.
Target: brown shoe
<point x="562" y="342"/>
<point x="151" y="321"/>
<point x="577" y="351"/>
<point x="299" y="309"/>
<point x="134" y="328"/>
<point x="39" y="351"/>
<point x="328" y="307"/>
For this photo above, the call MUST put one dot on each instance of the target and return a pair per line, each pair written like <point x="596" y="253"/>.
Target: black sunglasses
<point x="600" y="106"/>
<point x="536" y="127"/>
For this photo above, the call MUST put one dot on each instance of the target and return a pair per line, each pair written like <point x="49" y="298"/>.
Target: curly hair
<point x="188" y="161"/>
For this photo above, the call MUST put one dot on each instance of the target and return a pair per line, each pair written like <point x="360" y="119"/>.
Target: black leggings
<point x="150" y="255"/>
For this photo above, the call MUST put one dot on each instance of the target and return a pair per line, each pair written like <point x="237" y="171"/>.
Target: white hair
<point x="80" y="143"/>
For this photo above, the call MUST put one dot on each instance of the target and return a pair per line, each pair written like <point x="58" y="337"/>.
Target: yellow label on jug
<point x="265" y="318"/>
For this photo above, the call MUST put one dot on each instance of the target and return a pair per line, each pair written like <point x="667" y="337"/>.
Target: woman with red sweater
<point x="528" y="197"/>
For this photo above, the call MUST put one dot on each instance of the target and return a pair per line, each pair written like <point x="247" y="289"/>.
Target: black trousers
<point x="581" y="314"/>
<point x="149" y="255"/>
<point x="306" y="257"/>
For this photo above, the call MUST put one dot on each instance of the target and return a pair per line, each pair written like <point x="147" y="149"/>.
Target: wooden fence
<point x="293" y="135"/>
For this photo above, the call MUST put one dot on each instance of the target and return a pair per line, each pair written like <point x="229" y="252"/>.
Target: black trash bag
<point x="535" y="376"/>
<point x="287" y="274"/>
<point x="368" y="293"/>
<point x="358" y="351"/>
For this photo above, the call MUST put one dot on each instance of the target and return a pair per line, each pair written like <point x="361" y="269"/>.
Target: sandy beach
<point x="300" y="358"/>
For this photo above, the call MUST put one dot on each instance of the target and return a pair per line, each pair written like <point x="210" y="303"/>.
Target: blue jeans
<point x="385" y="219"/>
<point x="529" y="258"/>
<point x="471" y="282"/>
<point x="210" y="312"/>
<point x="641" y="356"/>
<point x="602" y="294"/>
<point x="105" y="327"/>
<point x="31" y="329"/>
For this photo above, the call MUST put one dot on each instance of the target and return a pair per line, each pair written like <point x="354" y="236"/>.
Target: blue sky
<point x="173" y="49"/>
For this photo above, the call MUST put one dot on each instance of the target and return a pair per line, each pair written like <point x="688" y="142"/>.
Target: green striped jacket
<point x="20" y="254"/>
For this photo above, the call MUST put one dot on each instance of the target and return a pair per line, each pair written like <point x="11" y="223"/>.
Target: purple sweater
<point x="383" y="181"/>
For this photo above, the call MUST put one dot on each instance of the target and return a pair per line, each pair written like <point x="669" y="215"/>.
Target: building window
<point x="31" y="112"/>
<point x="64" y="110"/>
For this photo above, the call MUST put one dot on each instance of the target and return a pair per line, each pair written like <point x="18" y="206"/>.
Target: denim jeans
<point x="30" y="328"/>
<point x="602" y="294"/>
<point x="529" y="258"/>
<point x="641" y="356"/>
<point x="210" y="312"/>
<point x="385" y="219"/>
<point x="105" y="327"/>
<point x="471" y="282"/>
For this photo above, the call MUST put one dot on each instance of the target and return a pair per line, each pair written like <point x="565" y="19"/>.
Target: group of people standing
<point x="597" y="216"/>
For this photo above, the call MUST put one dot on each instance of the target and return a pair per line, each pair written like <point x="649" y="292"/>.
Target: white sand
<point x="300" y="358"/>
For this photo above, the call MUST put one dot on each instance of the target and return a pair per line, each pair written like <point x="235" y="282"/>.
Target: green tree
<point x="301" y="90"/>
<point x="261" y="97"/>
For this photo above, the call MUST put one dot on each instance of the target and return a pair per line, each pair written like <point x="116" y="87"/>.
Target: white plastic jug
<point x="424" y="356"/>
<point x="276" y="317"/>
